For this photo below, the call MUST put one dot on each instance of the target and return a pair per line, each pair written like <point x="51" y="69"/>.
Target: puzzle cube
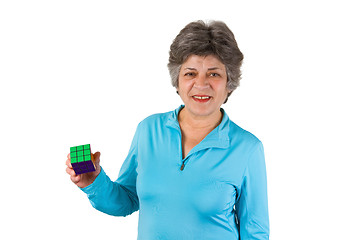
<point x="81" y="159"/>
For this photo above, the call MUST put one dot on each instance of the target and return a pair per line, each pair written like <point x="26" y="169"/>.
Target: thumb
<point x="96" y="157"/>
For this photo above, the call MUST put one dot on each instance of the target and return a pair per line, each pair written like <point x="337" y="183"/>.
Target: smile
<point x="200" y="97"/>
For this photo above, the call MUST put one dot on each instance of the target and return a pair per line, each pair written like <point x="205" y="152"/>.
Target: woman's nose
<point x="201" y="81"/>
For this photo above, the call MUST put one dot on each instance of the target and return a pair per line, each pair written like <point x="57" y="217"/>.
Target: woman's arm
<point x="252" y="205"/>
<point x="117" y="198"/>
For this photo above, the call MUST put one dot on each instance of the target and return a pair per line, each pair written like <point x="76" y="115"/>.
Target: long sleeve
<point x="117" y="198"/>
<point x="224" y="180"/>
<point x="252" y="205"/>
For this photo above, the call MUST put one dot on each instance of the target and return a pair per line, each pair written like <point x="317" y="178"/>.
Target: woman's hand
<point x="85" y="179"/>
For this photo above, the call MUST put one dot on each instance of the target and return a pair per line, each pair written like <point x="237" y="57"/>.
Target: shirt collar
<point x="218" y="138"/>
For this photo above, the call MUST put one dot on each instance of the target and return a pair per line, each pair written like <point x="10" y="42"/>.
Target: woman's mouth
<point x="201" y="98"/>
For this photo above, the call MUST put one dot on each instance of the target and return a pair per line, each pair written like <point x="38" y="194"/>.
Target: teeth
<point x="197" y="97"/>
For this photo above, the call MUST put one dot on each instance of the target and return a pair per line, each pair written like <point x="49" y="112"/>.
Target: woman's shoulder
<point x="156" y="118"/>
<point x="240" y="134"/>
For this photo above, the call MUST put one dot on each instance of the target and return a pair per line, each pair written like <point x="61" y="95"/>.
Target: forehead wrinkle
<point x="190" y="68"/>
<point x="194" y="62"/>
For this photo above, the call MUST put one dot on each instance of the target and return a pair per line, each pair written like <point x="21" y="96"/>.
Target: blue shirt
<point x="220" y="194"/>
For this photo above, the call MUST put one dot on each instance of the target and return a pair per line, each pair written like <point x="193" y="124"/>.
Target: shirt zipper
<point x="182" y="166"/>
<point x="181" y="151"/>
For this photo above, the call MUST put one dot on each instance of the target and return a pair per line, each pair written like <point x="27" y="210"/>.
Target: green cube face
<point x="80" y="153"/>
<point x="80" y="157"/>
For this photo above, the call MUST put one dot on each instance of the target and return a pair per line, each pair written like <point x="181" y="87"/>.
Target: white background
<point x="77" y="72"/>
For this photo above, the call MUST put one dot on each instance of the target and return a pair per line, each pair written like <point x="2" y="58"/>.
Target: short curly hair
<point x="203" y="39"/>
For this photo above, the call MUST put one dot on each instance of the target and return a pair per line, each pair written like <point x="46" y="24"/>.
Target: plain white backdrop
<point x="78" y="72"/>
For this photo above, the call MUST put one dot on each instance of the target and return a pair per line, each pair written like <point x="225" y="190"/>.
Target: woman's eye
<point x="214" y="75"/>
<point x="190" y="74"/>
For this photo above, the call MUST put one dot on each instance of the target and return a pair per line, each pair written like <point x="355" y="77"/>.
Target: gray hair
<point x="202" y="39"/>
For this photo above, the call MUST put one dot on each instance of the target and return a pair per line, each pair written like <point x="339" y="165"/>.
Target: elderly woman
<point x="192" y="173"/>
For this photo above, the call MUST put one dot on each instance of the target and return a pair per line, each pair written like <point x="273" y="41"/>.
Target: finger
<point x="75" y="179"/>
<point x="68" y="163"/>
<point x="70" y="171"/>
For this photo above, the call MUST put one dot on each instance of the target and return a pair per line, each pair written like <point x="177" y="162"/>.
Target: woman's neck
<point x="191" y="121"/>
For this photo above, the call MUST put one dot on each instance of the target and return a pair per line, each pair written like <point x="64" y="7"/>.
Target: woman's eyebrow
<point x="214" y="68"/>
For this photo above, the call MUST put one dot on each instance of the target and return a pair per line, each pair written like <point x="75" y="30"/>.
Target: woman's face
<point x="202" y="85"/>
